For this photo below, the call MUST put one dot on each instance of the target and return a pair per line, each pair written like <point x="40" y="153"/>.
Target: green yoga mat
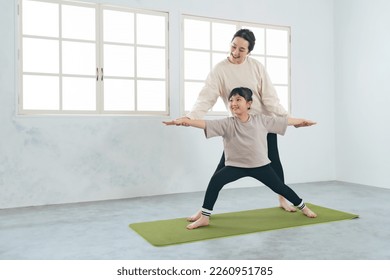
<point x="171" y="232"/>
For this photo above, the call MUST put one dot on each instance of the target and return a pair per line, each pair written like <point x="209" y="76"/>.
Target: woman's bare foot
<point x="307" y="212"/>
<point x="285" y="205"/>
<point x="201" y="222"/>
<point x="195" y="217"/>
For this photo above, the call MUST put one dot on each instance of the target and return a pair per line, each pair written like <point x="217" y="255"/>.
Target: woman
<point x="239" y="69"/>
<point x="245" y="146"/>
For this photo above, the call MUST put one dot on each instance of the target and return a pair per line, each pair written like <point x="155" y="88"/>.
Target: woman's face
<point x="238" y="50"/>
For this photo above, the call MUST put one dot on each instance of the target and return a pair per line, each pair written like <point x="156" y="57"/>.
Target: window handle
<point x="97" y="74"/>
<point x="101" y="69"/>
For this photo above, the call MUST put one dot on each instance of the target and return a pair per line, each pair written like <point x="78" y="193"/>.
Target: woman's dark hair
<point x="247" y="35"/>
<point x="244" y="92"/>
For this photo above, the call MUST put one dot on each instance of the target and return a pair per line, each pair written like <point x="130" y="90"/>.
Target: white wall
<point x="50" y="160"/>
<point x="363" y="91"/>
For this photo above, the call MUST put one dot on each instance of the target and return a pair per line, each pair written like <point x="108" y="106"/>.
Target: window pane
<point x="150" y="30"/>
<point x="118" y="27"/>
<point x="64" y="43"/>
<point x="260" y="41"/>
<point x="197" y="65"/>
<point x="218" y="57"/>
<point x="39" y="97"/>
<point x="283" y="96"/>
<point x="222" y="36"/>
<point x="118" y="95"/>
<point x="151" y="63"/>
<point x="78" y="93"/>
<point x="151" y="96"/>
<point x="40" y="19"/>
<point x="118" y="61"/>
<point x="277" y="69"/>
<point x="277" y="42"/>
<point x="219" y="106"/>
<point x="40" y="55"/>
<point x="196" y="34"/>
<point x="78" y="22"/>
<point x="78" y="58"/>
<point x="259" y="58"/>
<point x="191" y="90"/>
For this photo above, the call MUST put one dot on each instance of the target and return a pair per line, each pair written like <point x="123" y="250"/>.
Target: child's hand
<point x="178" y="122"/>
<point x="170" y="123"/>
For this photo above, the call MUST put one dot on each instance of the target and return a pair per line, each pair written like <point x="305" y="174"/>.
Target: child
<point x="245" y="146"/>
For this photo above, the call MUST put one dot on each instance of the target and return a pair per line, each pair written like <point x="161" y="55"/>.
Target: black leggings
<point x="264" y="174"/>
<point x="273" y="155"/>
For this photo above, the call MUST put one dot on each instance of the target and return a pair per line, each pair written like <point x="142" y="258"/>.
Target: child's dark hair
<point x="247" y="35"/>
<point x="246" y="93"/>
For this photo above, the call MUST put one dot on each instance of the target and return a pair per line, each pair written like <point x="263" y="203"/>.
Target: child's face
<point x="238" y="105"/>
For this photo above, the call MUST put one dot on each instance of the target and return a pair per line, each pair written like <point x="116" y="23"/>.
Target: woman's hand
<point x="303" y="123"/>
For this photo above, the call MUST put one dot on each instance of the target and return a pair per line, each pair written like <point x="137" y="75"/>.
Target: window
<point x="88" y="58"/>
<point x="206" y="42"/>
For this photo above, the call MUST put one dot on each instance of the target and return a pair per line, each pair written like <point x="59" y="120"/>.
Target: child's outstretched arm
<point x="300" y="122"/>
<point x="187" y="122"/>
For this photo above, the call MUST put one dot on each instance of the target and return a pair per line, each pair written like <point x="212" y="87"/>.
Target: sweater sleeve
<point x="268" y="94"/>
<point x="207" y="97"/>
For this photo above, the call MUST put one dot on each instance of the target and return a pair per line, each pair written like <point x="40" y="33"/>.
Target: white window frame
<point x="99" y="74"/>
<point x="263" y="57"/>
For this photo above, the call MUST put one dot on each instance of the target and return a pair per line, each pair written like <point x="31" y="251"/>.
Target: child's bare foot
<point x="307" y="212"/>
<point x="285" y="205"/>
<point x="195" y="217"/>
<point x="201" y="222"/>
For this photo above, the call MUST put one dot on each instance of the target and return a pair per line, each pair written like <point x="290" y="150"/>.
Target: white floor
<point x="100" y="230"/>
